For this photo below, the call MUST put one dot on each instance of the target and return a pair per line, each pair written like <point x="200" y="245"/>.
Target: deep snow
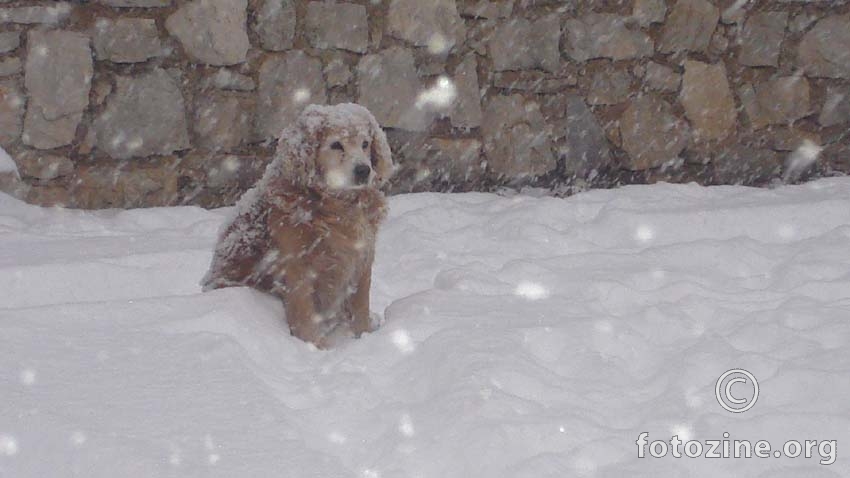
<point x="523" y="337"/>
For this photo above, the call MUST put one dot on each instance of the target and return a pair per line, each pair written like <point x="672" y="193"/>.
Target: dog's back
<point x="240" y="249"/>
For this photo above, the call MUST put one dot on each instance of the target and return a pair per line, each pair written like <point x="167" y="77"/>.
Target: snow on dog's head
<point x="334" y="147"/>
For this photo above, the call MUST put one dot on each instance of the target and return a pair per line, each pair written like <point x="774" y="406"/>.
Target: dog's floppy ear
<point x="298" y="148"/>
<point x="382" y="158"/>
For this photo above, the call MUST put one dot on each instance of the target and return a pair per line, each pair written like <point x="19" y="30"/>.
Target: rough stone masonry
<point x="129" y="103"/>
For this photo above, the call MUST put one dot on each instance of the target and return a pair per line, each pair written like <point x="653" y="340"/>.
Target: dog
<point x="306" y="232"/>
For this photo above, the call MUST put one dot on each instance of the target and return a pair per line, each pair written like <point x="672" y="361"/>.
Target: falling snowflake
<point x="401" y="339"/>
<point x="337" y="437"/>
<point x="78" y="438"/>
<point x="438" y="44"/>
<point x="644" y="234"/>
<point x="28" y="377"/>
<point x="682" y="430"/>
<point x="405" y="426"/>
<point x="440" y="96"/>
<point x="301" y="95"/>
<point x="531" y="291"/>
<point x="8" y="445"/>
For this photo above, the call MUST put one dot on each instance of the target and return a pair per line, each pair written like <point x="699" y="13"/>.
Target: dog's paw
<point x="376" y="320"/>
<point x="338" y="335"/>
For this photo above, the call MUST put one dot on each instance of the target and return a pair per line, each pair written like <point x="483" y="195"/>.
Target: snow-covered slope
<point x="523" y="337"/>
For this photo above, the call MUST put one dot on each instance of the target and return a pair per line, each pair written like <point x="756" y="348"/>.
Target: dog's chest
<point x="348" y="235"/>
<point x="343" y="240"/>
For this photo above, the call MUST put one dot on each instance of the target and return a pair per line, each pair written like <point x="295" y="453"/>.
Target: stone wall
<point x="158" y="102"/>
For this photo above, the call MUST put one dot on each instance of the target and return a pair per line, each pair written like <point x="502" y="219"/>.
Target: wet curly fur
<point x="306" y="232"/>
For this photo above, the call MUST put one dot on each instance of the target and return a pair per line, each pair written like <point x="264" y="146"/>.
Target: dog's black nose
<point x="361" y="173"/>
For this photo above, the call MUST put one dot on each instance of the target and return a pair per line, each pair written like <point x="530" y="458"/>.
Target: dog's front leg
<point x="361" y="321"/>
<point x="304" y="322"/>
<point x="295" y="282"/>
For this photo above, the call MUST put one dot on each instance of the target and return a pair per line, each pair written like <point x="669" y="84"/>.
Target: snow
<point x="7" y="164"/>
<point x="523" y="337"/>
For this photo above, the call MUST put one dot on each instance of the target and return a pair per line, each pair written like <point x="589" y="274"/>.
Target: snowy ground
<point x="524" y="337"/>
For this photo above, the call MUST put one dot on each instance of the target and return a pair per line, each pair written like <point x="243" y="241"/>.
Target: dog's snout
<point x="362" y="172"/>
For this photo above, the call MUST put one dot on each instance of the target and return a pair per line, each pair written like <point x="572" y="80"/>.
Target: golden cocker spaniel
<point x="306" y="232"/>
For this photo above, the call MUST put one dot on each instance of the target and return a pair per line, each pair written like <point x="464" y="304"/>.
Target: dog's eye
<point x="337" y="146"/>
<point x="365" y="144"/>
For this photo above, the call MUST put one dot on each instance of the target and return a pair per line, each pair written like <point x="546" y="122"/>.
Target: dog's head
<point x="335" y="147"/>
